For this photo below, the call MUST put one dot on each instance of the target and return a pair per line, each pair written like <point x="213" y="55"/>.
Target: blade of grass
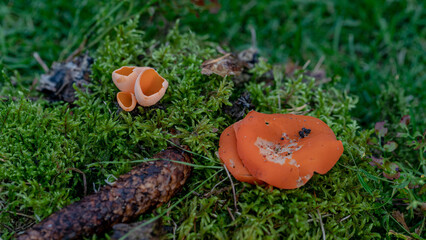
<point x="156" y="159"/>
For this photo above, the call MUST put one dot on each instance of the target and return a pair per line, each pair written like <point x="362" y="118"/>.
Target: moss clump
<point x="41" y="148"/>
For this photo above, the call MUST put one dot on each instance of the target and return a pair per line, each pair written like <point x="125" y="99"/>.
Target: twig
<point x="233" y="188"/>
<point x="306" y="64"/>
<point x="221" y="50"/>
<point x="320" y="61"/>
<point x="211" y="191"/>
<point x="174" y="230"/>
<point x="8" y="228"/>
<point x="21" y="214"/>
<point x="321" y="224"/>
<point x="230" y="213"/>
<point x="41" y="62"/>
<point x="343" y="219"/>
<point x="253" y="36"/>
<point x="94" y="188"/>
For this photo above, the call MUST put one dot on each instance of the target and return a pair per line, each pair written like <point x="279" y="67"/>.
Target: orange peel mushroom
<point x="229" y="156"/>
<point x="125" y="77"/>
<point x="126" y="100"/>
<point x="284" y="150"/>
<point x="141" y="85"/>
<point x="150" y="87"/>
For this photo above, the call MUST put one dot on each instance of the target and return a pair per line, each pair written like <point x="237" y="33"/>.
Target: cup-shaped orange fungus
<point x="150" y="87"/>
<point x="284" y="150"/>
<point x="229" y="156"/>
<point x="125" y="77"/>
<point x="126" y="100"/>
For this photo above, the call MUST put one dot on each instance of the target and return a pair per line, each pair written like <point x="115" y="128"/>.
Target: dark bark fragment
<point x="58" y="83"/>
<point x="145" y="187"/>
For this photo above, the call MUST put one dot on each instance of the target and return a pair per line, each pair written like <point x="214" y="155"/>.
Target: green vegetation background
<point x="373" y="50"/>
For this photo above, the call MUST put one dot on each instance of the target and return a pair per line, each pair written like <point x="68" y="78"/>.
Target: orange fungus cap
<point x="229" y="156"/>
<point x="284" y="150"/>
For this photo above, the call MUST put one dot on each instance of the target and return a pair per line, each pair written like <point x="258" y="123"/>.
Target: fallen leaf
<point x="380" y="129"/>
<point x="223" y="66"/>
<point x="400" y="218"/>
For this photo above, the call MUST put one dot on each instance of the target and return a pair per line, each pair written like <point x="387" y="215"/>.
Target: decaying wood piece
<point x="145" y="187"/>
<point x="58" y="83"/>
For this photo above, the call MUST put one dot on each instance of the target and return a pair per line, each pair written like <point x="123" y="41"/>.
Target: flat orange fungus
<point x="229" y="156"/>
<point x="284" y="150"/>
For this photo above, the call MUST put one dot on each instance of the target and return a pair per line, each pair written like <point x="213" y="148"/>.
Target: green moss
<point x="40" y="147"/>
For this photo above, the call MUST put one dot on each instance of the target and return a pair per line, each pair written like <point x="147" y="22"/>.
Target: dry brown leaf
<point x="223" y="66"/>
<point x="400" y="218"/>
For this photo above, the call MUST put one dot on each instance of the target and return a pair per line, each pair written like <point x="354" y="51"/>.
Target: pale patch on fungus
<point x="278" y="152"/>
<point x="232" y="163"/>
<point x="294" y="163"/>
<point x="300" y="182"/>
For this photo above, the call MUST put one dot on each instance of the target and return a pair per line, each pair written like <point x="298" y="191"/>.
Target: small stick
<point x="21" y="214"/>
<point x="320" y="61"/>
<point x="41" y="62"/>
<point x="343" y="219"/>
<point x="306" y="64"/>
<point x="322" y="225"/>
<point x="233" y="188"/>
<point x="253" y="36"/>
<point x="230" y="213"/>
<point x="211" y="191"/>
